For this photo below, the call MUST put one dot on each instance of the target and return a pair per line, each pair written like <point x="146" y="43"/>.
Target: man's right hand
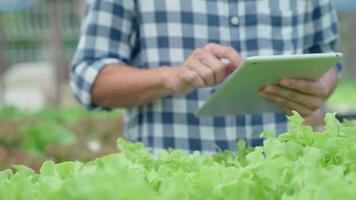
<point x="203" y="68"/>
<point x="120" y="85"/>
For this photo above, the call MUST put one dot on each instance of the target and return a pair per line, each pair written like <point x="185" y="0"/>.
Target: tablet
<point x="238" y="94"/>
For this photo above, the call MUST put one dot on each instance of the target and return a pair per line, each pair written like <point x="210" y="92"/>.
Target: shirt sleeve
<point x="106" y="38"/>
<point x="321" y="28"/>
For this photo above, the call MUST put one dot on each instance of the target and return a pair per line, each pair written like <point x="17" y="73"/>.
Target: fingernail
<point x="269" y="89"/>
<point x="285" y="83"/>
<point x="242" y="61"/>
<point x="225" y="61"/>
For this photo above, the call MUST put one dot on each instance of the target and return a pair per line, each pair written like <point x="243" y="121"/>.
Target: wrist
<point x="168" y="77"/>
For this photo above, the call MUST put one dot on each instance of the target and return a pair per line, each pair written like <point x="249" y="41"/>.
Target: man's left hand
<point x="303" y="96"/>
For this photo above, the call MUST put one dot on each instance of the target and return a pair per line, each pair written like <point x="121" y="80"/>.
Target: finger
<point x="229" y="53"/>
<point x="311" y="102"/>
<point x="272" y="100"/>
<point x="316" y="88"/>
<point x="218" y="68"/>
<point x="204" y="72"/>
<point x="288" y="106"/>
<point x="190" y="80"/>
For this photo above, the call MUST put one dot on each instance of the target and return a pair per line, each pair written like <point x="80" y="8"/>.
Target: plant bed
<point x="56" y="134"/>
<point x="300" y="164"/>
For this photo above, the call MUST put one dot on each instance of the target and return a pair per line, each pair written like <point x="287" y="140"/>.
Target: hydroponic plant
<point x="300" y="164"/>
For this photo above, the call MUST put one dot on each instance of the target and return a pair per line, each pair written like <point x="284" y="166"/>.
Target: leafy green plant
<point x="45" y="127"/>
<point x="300" y="164"/>
<point x="39" y="136"/>
<point x="58" y="134"/>
<point x="344" y="98"/>
<point x="10" y="112"/>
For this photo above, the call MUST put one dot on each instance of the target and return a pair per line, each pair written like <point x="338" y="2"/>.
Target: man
<point x="160" y="59"/>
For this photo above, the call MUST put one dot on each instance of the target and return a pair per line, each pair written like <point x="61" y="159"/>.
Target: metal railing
<point x="29" y="33"/>
<point x="47" y="30"/>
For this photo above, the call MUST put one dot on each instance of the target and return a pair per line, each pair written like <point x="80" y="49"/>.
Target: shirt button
<point x="234" y="20"/>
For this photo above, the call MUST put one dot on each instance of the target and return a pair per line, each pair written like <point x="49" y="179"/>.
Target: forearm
<point x="124" y="86"/>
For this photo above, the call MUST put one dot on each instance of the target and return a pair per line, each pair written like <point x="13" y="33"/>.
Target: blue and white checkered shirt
<point x="152" y="33"/>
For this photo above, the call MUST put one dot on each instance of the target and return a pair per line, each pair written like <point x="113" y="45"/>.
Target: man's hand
<point x="203" y="68"/>
<point x="303" y="96"/>
<point x="120" y="85"/>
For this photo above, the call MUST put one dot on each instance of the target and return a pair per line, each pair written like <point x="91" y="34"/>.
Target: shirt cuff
<point x="83" y="77"/>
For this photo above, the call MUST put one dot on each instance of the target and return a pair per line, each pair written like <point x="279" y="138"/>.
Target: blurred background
<point x="39" y="118"/>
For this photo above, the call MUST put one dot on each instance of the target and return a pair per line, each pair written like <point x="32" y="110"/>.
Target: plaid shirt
<point x="152" y="33"/>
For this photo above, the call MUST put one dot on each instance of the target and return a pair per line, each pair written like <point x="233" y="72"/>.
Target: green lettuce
<point x="300" y="164"/>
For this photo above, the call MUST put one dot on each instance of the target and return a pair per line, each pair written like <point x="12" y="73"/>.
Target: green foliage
<point x="38" y="136"/>
<point x="344" y="98"/>
<point x="43" y="128"/>
<point x="300" y="164"/>
<point x="10" y="112"/>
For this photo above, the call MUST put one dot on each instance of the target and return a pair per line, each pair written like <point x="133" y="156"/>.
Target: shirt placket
<point x="234" y="22"/>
